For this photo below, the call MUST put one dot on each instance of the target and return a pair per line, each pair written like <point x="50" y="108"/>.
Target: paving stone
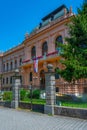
<point x="11" y="119"/>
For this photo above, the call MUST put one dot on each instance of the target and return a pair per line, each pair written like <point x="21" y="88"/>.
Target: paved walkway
<point x="11" y="119"/>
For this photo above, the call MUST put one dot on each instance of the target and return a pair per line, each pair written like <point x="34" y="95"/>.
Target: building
<point x="39" y="45"/>
<point x="10" y="60"/>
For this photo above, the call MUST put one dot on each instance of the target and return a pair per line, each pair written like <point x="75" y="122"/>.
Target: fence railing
<point x="72" y="95"/>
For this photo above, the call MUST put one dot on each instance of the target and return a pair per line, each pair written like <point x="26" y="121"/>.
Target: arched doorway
<point x="42" y="79"/>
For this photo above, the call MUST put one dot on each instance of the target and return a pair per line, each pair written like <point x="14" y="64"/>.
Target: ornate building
<point x="39" y="45"/>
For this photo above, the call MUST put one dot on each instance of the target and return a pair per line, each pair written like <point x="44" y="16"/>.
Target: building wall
<point x="12" y="59"/>
<point x="49" y="33"/>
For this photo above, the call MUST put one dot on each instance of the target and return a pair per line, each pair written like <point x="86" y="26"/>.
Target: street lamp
<point x="30" y="88"/>
<point x="1" y="80"/>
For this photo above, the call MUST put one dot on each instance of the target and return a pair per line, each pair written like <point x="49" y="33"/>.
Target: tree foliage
<point x="75" y="51"/>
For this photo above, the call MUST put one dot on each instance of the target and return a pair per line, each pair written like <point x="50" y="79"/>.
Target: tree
<point x="74" y="53"/>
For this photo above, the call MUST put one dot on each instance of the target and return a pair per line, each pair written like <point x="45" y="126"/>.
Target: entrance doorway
<point x="42" y="79"/>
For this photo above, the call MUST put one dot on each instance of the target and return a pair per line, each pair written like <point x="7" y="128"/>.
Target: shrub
<point x="24" y="94"/>
<point x="36" y="93"/>
<point x="7" y="96"/>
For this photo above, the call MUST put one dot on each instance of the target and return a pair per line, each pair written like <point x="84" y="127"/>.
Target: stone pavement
<point x="11" y="119"/>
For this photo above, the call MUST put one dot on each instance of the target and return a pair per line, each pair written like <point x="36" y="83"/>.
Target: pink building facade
<point x="41" y="45"/>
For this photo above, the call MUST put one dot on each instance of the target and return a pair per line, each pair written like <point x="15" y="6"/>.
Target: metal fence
<point x="67" y="94"/>
<point x="72" y="95"/>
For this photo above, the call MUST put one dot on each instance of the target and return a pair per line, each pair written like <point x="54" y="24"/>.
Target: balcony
<point x="41" y="58"/>
<point x="9" y="70"/>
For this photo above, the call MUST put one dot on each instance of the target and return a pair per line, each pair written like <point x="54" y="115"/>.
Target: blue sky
<point x="20" y="16"/>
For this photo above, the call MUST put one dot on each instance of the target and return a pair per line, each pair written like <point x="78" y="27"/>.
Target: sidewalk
<point x="11" y="119"/>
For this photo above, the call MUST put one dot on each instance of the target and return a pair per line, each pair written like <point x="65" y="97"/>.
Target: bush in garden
<point x="36" y="93"/>
<point x="7" y="96"/>
<point x="24" y="94"/>
<point x="28" y="94"/>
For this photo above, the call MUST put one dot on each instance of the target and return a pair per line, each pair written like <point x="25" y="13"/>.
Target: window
<point x="7" y="66"/>
<point x="56" y="73"/>
<point x="21" y="78"/>
<point x="59" y="39"/>
<point x="20" y="62"/>
<point x="11" y="65"/>
<point x="33" y="52"/>
<point x="30" y="76"/>
<point x="11" y="80"/>
<point x="57" y="89"/>
<point x="15" y="64"/>
<point x="7" y="80"/>
<point x="44" y="48"/>
<point x="3" y="81"/>
<point x="85" y="90"/>
<point x="4" y="67"/>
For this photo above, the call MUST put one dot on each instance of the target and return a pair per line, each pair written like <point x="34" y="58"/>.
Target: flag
<point x="36" y="65"/>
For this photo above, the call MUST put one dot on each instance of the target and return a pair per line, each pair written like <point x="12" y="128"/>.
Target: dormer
<point x="59" y="12"/>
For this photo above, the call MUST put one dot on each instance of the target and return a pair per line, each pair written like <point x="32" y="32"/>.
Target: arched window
<point x="33" y="52"/>
<point x="59" y="39"/>
<point x="44" y="48"/>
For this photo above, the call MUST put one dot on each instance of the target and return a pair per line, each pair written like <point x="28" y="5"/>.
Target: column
<point x="50" y="90"/>
<point x="15" y="89"/>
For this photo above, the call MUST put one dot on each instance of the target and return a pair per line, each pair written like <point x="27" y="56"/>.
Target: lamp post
<point x="1" y="81"/>
<point x="30" y="87"/>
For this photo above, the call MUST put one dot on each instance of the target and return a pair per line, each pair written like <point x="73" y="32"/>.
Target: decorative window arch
<point x="33" y="52"/>
<point x="59" y="39"/>
<point x="44" y="48"/>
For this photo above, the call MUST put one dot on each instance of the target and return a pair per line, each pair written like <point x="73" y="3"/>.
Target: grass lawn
<point x="63" y="103"/>
<point x="74" y="104"/>
<point x="35" y="101"/>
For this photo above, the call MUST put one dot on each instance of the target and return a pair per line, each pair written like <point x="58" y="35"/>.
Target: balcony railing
<point x="25" y="61"/>
<point x="52" y="54"/>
